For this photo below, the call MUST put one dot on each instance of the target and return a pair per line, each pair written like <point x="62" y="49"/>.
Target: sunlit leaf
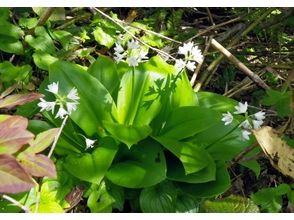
<point x="18" y="99"/>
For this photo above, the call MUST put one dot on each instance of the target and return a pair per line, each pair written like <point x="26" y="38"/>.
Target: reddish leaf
<point x="38" y="165"/>
<point x="43" y="140"/>
<point x="13" y="134"/>
<point x="14" y="179"/>
<point x="19" y="99"/>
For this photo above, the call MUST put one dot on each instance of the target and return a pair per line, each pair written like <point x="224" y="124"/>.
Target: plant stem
<point x="14" y="202"/>
<point x="57" y="136"/>
<point x="45" y="16"/>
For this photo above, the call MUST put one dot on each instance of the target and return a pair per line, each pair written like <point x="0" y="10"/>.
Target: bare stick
<point x="57" y="137"/>
<point x="239" y="64"/>
<point x="126" y="30"/>
<point x="45" y="16"/>
<point x="16" y="203"/>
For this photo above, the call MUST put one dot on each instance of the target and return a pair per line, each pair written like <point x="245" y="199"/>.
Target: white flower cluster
<point x="133" y="55"/>
<point x="252" y="121"/>
<point x="192" y="53"/>
<point x="66" y="104"/>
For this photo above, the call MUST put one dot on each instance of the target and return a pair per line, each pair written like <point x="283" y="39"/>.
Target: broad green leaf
<point x="270" y="199"/>
<point x="28" y="23"/>
<point x="13" y="134"/>
<point x="64" y="37"/>
<point x="104" y="69"/>
<point x="215" y="101"/>
<point x="9" y="45"/>
<point x="37" y="165"/>
<point x="43" y="60"/>
<point x="95" y="164"/>
<point x="212" y="188"/>
<point x="193" y="157"/>
<point x="231" y="204"/>
<point x="187" y="121"/>
<point x="129" y="135"/>
<point x="160" y="198"/>
<point x="100" y="200"/>
<point x="10" y="30"/>
<point x="187" y="204"/>
<point x="14" y="178"/>
<point x="142" y="166"/>
<point x="95" y="104"/>
<point x="9" y="72"/>
<point x="4" y="14"/>
<point x="282" y="101"/>
<point x="176" y="171"/>
<point x="57" y="15"/>
<point x="43" y="140"/>
<point x="18" y="99"/>
<point x="42" y="42"/>
<point x="105" y="37"/>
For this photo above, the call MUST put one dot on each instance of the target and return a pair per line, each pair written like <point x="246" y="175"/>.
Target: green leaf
<point x="14" y="178"/>
<point x="176" y="172"/>
<point x="9" y="72"/>
<point x="100" y="200"/>
<point x="187" y="121"/>
<point x="105" y="37"/>
<point x="95" y="164"/>
<point x="270" y="199"/>
<point x="160" y="198"/>
<point x="42" y="42"/>
<point x="95" y="104"/>
<point x="10" y="30"/>
<point x="215" y="101"/>
<point x="142" y="166"/>
<point x="43" y="60"/>
<point x="212" y="188"/>
<point x="129" y="135"/>
<point x="187" y="204"/>
<point x="231" y="204"/>
<point x="193" y="157"/>
<point x="280" y="100"/>
<point x="104" y="69"/>
<point x="28" y="23"/>
<point x="9" y="45"/>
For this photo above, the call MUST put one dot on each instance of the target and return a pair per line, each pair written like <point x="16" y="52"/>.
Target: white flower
<point x="61" y="113"/>
<point x="245" y="134"/>
<point x="228" y="118"/>
<point x="89" y="143"/>
<point x="132" y="61"/>
<point x="133" y="44"/>
<point x="53" y="88"/>
<point x="260" y="116"/>
<point x="118" y="48"/>
<point x="73" y="94"/>
<point x="245" y="124"/>
<point x="186" y="48"/>
<point x="180" y="64"/>
<point x="142" y="55"/>
<point x="47" y="106"/>
<point x="119" y="57"/>
<point x="257" y="123"/>
<point x="196" y="54"/>
<point x="191" y="65"/>
<point x="71" y="107"/>
<point x="241" y="108"/>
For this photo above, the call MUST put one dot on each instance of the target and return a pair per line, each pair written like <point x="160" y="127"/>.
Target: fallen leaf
<point x="19" y="99"/>
<point x="279" y="153"/>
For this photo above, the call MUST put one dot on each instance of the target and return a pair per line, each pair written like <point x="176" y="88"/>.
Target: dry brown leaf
<point x="279" y="153"/>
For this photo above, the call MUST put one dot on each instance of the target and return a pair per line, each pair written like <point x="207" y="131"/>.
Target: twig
<point x="244" y="152"/>
<point x="16" y="203"/>
<point x="239" y="64"/>
<point x="131" y="34"/>
<point x="57" y="136"/>
<point x="193" y="78"/>
<point x="211" y="28"/>
<point x="45" y="16"/>
<point x="210" y="16"/>
<point x="213" y="66"/>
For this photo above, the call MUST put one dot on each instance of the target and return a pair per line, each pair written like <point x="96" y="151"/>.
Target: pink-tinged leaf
<point x="15" y="121"/>
<point x="13" y="134"/>
<point x="8" y="91"/>
<point x="13" y="177"/>
<point x="19" y="99"/>
<point x="37" y="165"/>
<point x="43" y="140"/>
